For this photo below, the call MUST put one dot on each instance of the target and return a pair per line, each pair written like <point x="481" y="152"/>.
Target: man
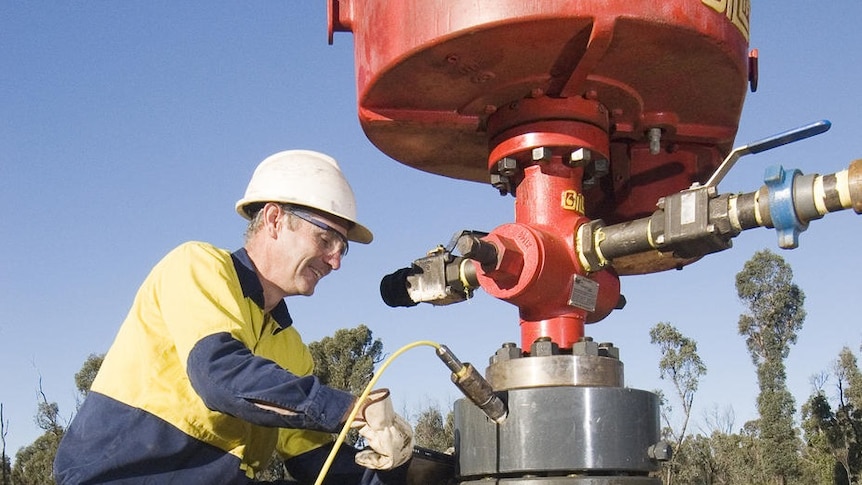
<point x="207" y="375"/>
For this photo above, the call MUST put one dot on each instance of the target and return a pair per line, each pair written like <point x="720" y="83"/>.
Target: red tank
<point x="590" y="109"/>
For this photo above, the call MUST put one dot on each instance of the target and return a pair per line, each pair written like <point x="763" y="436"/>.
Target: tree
<point x="34" y="463"/>
<point x="775" y="315"/>
<point x="5" y="465"/>
<point x="346" y="360"/>
<point x="87" y="374"/>
<point x="835" y="432"/>
<point x="680" y="362"/>
<point x="432" y="433"/>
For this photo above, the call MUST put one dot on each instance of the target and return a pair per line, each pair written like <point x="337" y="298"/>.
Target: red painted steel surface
<point x="431" y="73"/>
<point x="453" y="86"/>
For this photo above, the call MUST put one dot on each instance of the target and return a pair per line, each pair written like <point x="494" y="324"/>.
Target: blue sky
<point x="130" y="127"/>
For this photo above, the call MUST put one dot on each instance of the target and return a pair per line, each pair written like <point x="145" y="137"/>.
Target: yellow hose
<point x="362" y="397"/>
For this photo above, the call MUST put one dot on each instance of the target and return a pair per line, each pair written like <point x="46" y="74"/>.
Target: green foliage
<point x="775" y="315"/>
<point x="346" y="360"/>
<point x="84" y="377"/>
<point x="6" y="470"/>
<point x="34" y="463"/>
<point x="681" y="363"/>
<point x="679" y="358"/>
<point x="835" y="431"/>
<point x="775" y="306"/>
<point x="432" y="433"/>
<point x="48" y="417"/>
<point x="849" y="378"/>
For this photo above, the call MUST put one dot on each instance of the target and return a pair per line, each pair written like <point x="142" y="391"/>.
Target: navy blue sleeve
<point x="344" y="470"/>
<point x="229" y="379"/>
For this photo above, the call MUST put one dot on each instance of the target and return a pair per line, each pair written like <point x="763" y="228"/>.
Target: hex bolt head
<point x="507" y="167"/>
<point x="509" y="351"/>
<point x="586" y="347"/>
<point x="607" y="349"/>
<point x="541" y="154"/>
<point x="500" y="183"/>
<point x="661" y="451"/>
<point x="544" y="347"/>
<point x="580" y="157"/>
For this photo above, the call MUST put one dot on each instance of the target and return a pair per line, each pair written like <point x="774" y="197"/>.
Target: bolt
<point x="580" y="157"/>
<point x="607" y="349"/>
<point x="541" y="154"/>
<point x="507" y="166"/>
<point x="544" y="347"/>
<point x="500" y="183"/>
<point x="661" y="451"/>
<point x="654" y="135"/>
<point x="585" y="347"/>
<point x="509" y="351"/>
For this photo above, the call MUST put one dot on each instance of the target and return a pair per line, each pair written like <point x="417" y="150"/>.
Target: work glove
<point x="389" y="436"/>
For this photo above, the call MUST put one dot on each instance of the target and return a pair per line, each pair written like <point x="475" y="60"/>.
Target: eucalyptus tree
<point x="681" y="364"/>
<point x="774" y="316"/>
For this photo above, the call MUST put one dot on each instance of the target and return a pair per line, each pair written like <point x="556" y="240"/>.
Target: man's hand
<point x="388" y="435"/>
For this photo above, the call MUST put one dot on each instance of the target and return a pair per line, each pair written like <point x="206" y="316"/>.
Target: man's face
<point x="305" y="252"/>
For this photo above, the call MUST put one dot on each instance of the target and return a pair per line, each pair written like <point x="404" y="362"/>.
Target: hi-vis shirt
<point x="174" y="400"/>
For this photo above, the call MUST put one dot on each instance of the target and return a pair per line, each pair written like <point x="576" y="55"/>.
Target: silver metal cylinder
<point x="560" y="431"/>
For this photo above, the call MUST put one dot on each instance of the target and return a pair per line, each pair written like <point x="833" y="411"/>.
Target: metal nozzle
<point x="474" y="386"/>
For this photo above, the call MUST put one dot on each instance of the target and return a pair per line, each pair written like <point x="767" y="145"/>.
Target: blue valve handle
<point x="789" y="136"/>
<point x="768" y="143"/>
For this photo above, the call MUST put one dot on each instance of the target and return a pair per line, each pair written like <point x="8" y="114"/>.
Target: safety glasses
<point x="330" y="240"/>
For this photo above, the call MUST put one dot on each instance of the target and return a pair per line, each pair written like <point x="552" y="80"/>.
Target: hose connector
<point x="474" y="386"/>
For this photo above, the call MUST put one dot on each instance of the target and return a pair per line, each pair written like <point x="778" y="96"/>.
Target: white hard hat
<point x="305" y="178"/>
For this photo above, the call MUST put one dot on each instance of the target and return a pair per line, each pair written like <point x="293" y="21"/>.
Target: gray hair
<point x="256" y="221"/>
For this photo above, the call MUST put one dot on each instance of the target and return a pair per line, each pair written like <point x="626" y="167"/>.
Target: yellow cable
<point x="360" y="400"/>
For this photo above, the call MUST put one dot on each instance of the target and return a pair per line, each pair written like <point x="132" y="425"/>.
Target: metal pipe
<point x="697" y="221"/>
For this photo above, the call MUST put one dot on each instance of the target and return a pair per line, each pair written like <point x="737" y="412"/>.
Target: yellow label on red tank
<point x="573" y="201"/>
<point x="737" y="11"/>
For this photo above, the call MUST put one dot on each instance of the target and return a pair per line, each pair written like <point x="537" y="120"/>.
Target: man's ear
<point x="272" y="219"/>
